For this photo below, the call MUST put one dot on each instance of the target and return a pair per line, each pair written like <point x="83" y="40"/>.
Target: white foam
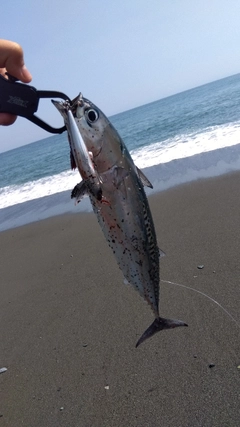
<point x="188" y="145"/>
<point x="162" y="176"/>
<point x="185" y="146"/>
<point x="32" y="190"/>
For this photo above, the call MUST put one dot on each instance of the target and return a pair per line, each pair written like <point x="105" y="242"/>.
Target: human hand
<point x="11" y="60"/>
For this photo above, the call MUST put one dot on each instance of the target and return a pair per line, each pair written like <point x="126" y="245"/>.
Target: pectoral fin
<point x="115" y="175"/>
<point x="118" y="175"/>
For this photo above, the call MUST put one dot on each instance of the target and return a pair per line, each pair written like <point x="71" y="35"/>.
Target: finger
<point x="11" y="58"/>
<point x="7" y="119"/>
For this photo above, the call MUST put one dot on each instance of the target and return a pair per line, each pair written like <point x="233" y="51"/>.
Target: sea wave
<point x="180" y="147"/>
<point x="187" y="145"/>
<point x="15" y="194"/>
<point x="162" y="176"/>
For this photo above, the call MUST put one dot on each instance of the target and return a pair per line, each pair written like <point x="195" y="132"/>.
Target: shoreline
<point x="163" y="177"/>
<point x="69" y="325"/>
<point x="41" y="209"/>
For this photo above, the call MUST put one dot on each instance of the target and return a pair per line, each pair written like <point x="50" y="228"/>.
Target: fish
<point x="80" y="156"/>
<point x="126" y="218"/>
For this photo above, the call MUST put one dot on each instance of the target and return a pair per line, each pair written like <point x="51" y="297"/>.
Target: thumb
<point x="11" y="58"/>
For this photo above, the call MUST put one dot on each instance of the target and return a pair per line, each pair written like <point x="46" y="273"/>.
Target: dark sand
<point x="68" y="324"/>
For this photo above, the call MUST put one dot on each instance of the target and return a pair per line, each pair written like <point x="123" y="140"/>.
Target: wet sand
<point x="68" y="324"/>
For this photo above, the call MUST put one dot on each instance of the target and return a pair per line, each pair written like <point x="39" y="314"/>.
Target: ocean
<point x="191" y="135"/>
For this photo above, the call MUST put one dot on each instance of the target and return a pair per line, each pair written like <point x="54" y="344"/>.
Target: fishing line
<point x="205" y="295"/>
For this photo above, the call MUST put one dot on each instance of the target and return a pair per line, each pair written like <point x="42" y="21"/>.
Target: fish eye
<point x="91" y="115"/>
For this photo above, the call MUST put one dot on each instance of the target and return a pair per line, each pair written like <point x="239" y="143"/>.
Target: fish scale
<point x="123" y="211"/>
<point x="131" y="250"/>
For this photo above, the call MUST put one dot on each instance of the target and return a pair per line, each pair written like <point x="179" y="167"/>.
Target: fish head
<point x="91" y="123"/>
<point x="100" y="137"/>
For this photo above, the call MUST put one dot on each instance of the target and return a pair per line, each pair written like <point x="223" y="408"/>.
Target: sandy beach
<point x="68" y="324"/>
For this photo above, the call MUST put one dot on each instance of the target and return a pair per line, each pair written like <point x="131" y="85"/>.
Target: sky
<point x="119" y="54"/>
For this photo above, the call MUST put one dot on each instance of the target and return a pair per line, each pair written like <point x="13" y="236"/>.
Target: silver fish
<point x="80" y="154"/>
<point x="126" y="218"/>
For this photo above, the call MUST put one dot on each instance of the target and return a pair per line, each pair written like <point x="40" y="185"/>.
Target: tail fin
<point x="158" y="325"/>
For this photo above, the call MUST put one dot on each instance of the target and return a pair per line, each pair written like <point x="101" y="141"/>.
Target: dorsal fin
<point x="143" y="178"/>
